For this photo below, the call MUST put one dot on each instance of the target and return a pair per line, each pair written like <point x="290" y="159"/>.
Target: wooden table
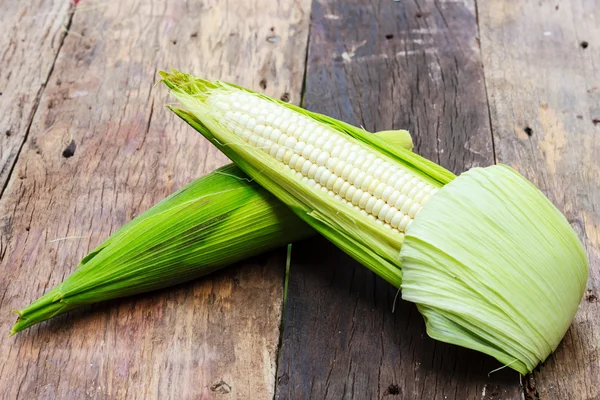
<point x="86" y="144"/>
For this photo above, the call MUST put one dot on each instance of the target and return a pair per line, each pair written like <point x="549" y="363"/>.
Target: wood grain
<point x="384" y="65"/>
<point x="101" y="149"/>
<point x="32" y="35"/>
<point x="542" y="63"/>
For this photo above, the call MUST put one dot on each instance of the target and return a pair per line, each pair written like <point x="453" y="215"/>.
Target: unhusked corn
<point x="326" y="160"/>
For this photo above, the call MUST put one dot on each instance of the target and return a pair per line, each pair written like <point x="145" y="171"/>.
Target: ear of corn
<point x="214" y="221"/>
<point x="486" y="252"/>
<point x="356" y="189"/>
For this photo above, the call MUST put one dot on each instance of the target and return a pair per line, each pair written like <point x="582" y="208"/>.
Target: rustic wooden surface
<point x="476" y="82"/>
<point x="216" y="337"/>
<point x="542" y="69"/>
<point x="33" y="34"/>
<point x="387" y="65"/>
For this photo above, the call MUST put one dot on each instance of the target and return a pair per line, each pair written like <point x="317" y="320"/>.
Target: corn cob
<point x="483" y="255"/>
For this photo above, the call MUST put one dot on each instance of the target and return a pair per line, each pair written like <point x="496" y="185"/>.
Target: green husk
<point x="488" y="260"/>
<point x="213" y="222"/>
<point x="183" y="237"/>
<point x="400" y="138"/>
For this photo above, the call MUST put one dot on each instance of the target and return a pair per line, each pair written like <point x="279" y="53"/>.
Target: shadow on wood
<point x="341" y="339"/>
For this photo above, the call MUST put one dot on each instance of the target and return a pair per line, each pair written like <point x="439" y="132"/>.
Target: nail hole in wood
<point x="389" y="36"/>
<point x="263" y="84"/>
<point x="584" y="44"/>
<point x="556" y="8"/>
<point x="528" y="131"/>
<point x="70" y="150"/>
<point x="393" y="390"/>
<point x="27" y="228"/>
<point x="194" y="35"/>
<point x="174" y="41"/>
<point x="8" y="132"/>
<point x="596" y="121"/>
<point x="285" y="97"/>
<point x="418" y="15"/>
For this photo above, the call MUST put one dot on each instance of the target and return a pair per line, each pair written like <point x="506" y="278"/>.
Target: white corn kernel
<point x="302" y="165"/>
<point x="377" y="207"/>
<point x="370" y="204"/>
<point x="319" y="172"/>
<point x="420" y="195"/>
<point x="390" y="214"/>
<point x="280" y="153"/>
<point x="325" y="176"/>
<point x="364" y="198"/>
<point x="406" y="206"/>
<point x="358" y="181"/>
<point x="338" y="185"/>
<point x="404" y="223"/>
<point x="350" y="193"/>
<point x="379" y="190"/>
<point x="414" y="209"/>
<point x="314" y="155"/>
<point x="307" y="150"/>
<point x="346" y="172"/>
<point x="383" y="212"/>
<point x="353" y="175"/>
<point x="290" y="143"/>
<point x="344" y="189"/>
<point x="387" y="192"/>
<point x="400" y="202"/>
<point x="331" y="180"/>
<point x="322" y="159"/>
<point x="413" y="192"/>
<point x="393" y="197"/>
<point x="356" y="197"/>
<point x="396" y="219"/>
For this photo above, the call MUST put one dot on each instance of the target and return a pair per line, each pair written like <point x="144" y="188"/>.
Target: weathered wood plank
<point x="199" y="340"/>
<point x="542" y="68"/>
<point x="32" y="35"/>
<point x="387" y="65"/>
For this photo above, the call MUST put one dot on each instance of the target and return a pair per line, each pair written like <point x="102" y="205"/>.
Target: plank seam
<point x="288" y="261"/>
<point x="38" y="97"/>
<point x="485" y="88"/>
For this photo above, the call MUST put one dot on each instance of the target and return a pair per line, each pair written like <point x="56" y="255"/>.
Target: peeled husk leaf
<point x="495" y="267"/>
